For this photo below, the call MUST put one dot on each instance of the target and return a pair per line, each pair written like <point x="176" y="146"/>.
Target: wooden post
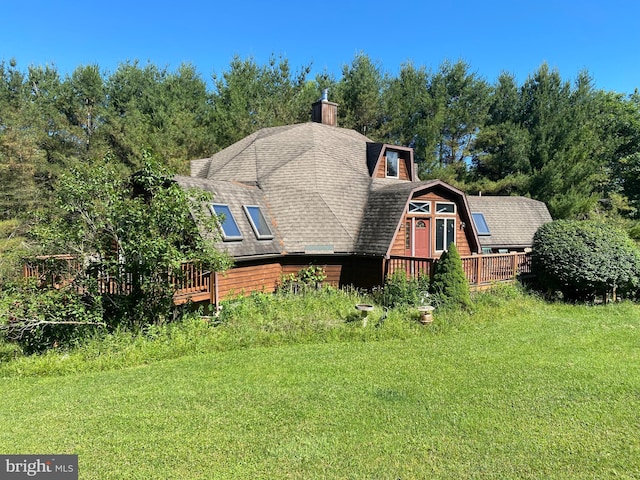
<point x="385" y="268"/>
<point x="480" y="260"/>
<point x="214" y="290"/>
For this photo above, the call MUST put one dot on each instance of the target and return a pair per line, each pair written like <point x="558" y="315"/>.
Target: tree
<point x="134" y="230"/>
<point x="249" y="97"/>
<point x="572" y="177"/>
<point x="449" y="283"/>
<point x="409" y="114"/>
<point x="151" y="109"/>
<point x="19" y="151"/>
<point x="544" y="140"/>
<point x="618" y="122"/>
<point x="84" y="105"/>
<point x="462" y="101"/>
<point x="502" y="148"/>
<point x="359" y="94"/>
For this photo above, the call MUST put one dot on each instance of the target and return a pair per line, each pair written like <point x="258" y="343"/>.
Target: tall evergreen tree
<point x="461" y="97"/>
<point x="410" y="114"/>
<point x="502" y="148"/>
<point x="359" y="93"/>
<point x="249" y="97"/>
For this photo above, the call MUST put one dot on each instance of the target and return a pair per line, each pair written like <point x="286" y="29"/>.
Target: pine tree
<point x="449" y="282"/>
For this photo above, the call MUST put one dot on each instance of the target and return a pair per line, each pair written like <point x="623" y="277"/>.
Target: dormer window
<point x="228" y="225"/>
<point x="258" y="222"/>
<point x="392" y="164"/>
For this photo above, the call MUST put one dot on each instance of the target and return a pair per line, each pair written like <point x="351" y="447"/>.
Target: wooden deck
<point x="480" y="270"/>
<point x="198" y="284"/>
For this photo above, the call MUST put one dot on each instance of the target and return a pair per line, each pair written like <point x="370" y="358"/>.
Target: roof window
<point x="228" y="225"/>
<point x="481" y="224"/>
<point x="258" y="222"/>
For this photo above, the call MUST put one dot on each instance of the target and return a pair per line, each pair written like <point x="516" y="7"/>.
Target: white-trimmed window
<point x="392" y="164"/>
<point x="258" y="222"/>
<point x="419" y="207"/>
<point x="228" y="225"/>
<point x="445" y="233"/>
<point x="445" y="208"/>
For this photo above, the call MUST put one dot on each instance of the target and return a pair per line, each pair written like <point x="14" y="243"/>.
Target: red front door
<point x="422" y="236"/>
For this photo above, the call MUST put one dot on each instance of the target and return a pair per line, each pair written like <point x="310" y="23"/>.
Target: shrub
<point x="400" y="290"/>
<point x="449" y="283"/>
<point x="584" y="258"/>
<point x="307" y="278"/>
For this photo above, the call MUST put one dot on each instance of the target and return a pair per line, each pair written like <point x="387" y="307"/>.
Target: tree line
<point x="562" y="141"/>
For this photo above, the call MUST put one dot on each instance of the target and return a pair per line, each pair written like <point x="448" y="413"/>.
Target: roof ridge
<point x="249" y="139"/>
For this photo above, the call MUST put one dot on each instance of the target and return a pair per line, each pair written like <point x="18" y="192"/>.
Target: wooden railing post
<point x="213" y="278"/>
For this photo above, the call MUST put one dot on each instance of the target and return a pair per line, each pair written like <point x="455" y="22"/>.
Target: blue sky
<point x="602" y="37"/>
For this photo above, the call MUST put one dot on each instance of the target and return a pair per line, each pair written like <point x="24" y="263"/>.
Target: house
<point x="315" y="193"/>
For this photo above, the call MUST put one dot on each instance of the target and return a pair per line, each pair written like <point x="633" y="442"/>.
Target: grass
<point x="519" y="389"/>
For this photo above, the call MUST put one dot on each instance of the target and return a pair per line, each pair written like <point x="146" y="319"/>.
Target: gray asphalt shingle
<point x="512" y="221"/>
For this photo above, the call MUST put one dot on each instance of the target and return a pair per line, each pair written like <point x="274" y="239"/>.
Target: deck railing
<point x="412" y="266"/>
<point x="55" y="271"/>
<point x="479" y="269"/>
<point x="197" y="283"/>
<point x="58" y="271"/>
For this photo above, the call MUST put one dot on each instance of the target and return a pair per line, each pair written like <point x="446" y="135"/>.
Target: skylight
<point x="258" y="222"/>
<point x="481" y="224"/>
<point x="228" y="225"/>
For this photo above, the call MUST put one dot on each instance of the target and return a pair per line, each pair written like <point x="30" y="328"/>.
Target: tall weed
<point x="260" y="320"/>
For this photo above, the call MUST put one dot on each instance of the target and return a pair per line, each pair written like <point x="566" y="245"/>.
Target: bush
<point x="581" y="259"/>
<point x="309" y="278"/>
<point x="400" y="290"/>
<point x="135" y="230"/>
<point x="449" y="283"/>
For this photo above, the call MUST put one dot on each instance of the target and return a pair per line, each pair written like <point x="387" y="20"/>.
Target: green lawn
<point x="521" y="389"/>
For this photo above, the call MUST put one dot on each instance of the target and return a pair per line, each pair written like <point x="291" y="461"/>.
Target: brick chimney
<point x="325" y="111"/>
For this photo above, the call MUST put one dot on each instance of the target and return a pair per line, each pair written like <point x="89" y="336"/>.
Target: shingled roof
<point x="235" y="195"/>
<point x="313" y="177"/>
<point x="387" y="202"/>
<point x="512" y="221"/>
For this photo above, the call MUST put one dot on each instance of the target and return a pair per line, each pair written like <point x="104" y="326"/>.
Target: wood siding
<point x="244" y="279"/>
<point x="404" y="166"/>
<point x="462" y="241"/>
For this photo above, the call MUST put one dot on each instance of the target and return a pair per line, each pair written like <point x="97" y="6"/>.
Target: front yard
<point x="520" y="389"/>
